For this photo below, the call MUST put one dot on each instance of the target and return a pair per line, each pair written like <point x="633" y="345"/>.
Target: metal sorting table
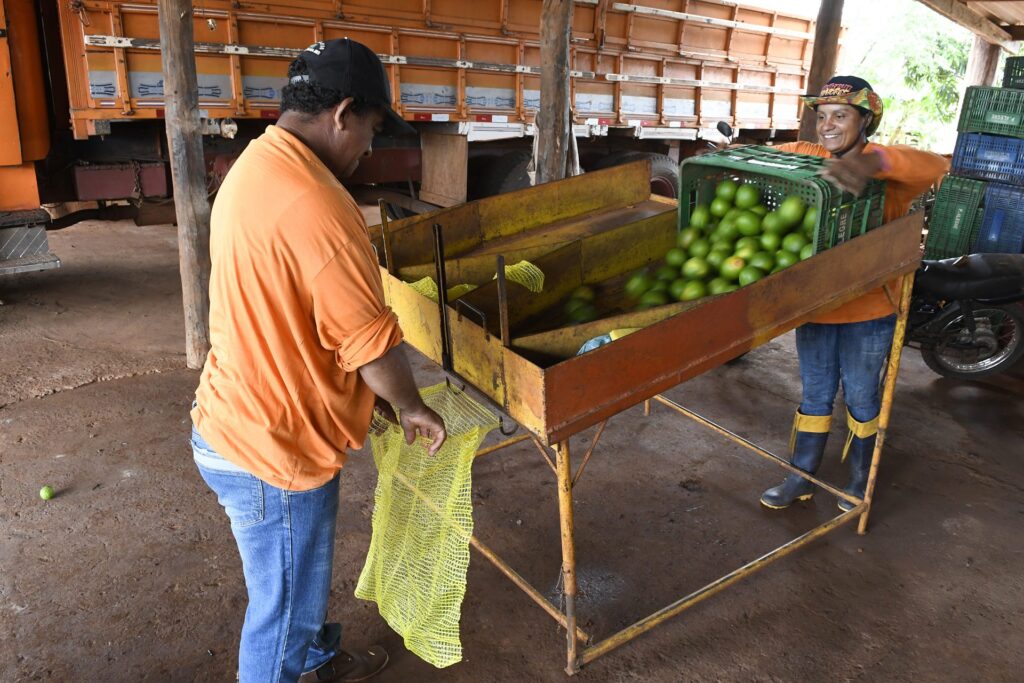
<point x="606" y="224"/>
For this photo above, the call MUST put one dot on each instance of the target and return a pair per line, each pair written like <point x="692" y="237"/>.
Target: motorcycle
<point x="966" y="314"/>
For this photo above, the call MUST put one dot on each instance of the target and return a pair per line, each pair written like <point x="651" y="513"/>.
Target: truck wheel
<point x="664" y="171"/>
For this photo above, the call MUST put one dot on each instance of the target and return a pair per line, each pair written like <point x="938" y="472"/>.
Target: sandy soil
<point x="130" y="572"/>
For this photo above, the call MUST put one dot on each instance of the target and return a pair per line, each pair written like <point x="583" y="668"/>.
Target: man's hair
<point x="311" y="98"/>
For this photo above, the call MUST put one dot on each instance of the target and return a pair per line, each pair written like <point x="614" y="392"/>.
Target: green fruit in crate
<point x="653" y="298"/>
<point x="726" y="190"/>
<point x="700" y="248"/>
<point x="785" y="258"/>
<point x="747" y="196"/>
<point x="675" y="289"/>
<point x="761" y="210"/>
<point x="746" y="252"/>
<point x="728" y="231"/>
<point x="732" y="267"/>
<point x="807" y="252"/>
<point x="772" y="223"/>
<point x="696" y="269"/>
<point x="667" y="273"/>
<point x="583" y="313"/>
<point x="583" y="293"/>
<point x="637" y="284"/>
<point x="701" y="217"/>
<point x="716" y="257"/>
<point x="675" y="257"/>
<point x="694" y="289"/>
<point x="762" y="260"/>
<point x="791" y="211"/>
<point x="794" y="242"/>
<point x="749" y="241"/>
<point x="719" y="285"/>
<point x="770" y="241"/>
<point x="750" y="275"/>
<point x="660" y="286"/>
<point x="810" y="221"/>
<point x="748" y="223"/>
<point x="686" y="237"/>
<point x="732" y="214"/>
<point x="719" y="207"/>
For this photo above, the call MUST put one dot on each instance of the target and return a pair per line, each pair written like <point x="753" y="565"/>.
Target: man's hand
<point x="424" y="422"/>
<point x="852" y="173"/>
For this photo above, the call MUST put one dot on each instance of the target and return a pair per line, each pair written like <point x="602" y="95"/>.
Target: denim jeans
<point x="286" y="540"/>
<point x="853" y="353"/>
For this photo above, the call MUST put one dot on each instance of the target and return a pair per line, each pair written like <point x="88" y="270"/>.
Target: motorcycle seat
<point x="975" y="276"/>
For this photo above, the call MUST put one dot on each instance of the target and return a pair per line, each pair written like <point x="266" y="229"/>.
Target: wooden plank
<point x="823" y="61"/>
<point x="553" y="122"/>
<point x="968" y="18"/>
<point x="981" y="66"/>
<point x="444" y="168"/>
<point x="188" y="171"/>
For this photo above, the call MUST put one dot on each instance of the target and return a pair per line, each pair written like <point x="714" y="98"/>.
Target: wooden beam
<point x="188" y="171"/>
<point x="823" y="59"/>
<point x="968" y="18"/>
<point x="553" y="124"/>
<point x="1016" y="32"/>
<point x="981" y="66"/>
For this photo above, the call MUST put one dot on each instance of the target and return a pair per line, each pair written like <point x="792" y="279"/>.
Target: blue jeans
<point x="854" y="353"/>
<point x="286" y="540"/>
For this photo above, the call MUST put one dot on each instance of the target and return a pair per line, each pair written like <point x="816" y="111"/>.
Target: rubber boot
<point x="860" y="446"/>
<point x="807" y="444"/>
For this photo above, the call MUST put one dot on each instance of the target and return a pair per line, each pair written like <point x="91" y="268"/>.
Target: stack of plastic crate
<point x="980" y="206"/>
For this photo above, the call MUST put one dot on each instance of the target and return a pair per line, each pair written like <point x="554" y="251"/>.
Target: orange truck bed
<point x="676" y="64"/>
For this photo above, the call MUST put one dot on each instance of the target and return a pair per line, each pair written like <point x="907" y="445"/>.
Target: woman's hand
<point x="852" y="173"/>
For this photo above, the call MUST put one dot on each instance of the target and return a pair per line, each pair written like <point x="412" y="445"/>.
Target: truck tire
<point x="664" y="171"/>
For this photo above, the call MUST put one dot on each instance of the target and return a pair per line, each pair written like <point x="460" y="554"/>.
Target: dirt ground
<point x="130" y="572"/>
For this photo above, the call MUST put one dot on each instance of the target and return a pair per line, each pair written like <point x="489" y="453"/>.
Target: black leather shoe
<point x="349" y="666"/>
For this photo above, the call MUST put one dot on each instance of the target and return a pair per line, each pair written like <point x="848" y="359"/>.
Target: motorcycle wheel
<point x="949" y="360"/>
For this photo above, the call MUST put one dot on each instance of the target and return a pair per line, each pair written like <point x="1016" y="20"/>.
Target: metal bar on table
<point x="499" y="446"/>
<point x="757" y="449"/>
<point x="565" y="519"/>
<point x="888" y="390"/>
<point x="385" y="236"/>
<point x="544" y="452"/>
<point x="590" y="451"/>
<point x="442" y="299"/>
<point x="494" y="559"/>
<point x="647" y="623"/>
<point x="505" y="333"/>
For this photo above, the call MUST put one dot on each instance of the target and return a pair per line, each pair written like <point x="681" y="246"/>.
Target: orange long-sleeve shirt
<point x="908" y="173"/>
<point x="296" y="307"/>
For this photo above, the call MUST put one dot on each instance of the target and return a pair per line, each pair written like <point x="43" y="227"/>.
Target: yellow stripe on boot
<point x="815" y="424"/>
<point x="861" y="430"/>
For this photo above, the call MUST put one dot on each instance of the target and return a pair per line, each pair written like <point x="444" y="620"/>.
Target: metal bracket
<point x="459" y="303"/>
<point x="442" y="299"/>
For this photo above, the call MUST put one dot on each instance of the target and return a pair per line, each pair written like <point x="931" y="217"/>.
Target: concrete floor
<point x="130" y="572"/>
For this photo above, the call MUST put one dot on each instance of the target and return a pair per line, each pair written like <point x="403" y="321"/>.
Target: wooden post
<point x="823" y="60"/>
<point x="981" y="66"/>
<point x="188" y="171"/>
<point x="553" y="124"/>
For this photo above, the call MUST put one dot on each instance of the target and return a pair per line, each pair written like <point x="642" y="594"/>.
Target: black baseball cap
<point x="354" y="70"/>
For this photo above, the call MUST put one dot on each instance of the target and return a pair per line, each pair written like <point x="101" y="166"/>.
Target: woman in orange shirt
<point x="850" y="344"/>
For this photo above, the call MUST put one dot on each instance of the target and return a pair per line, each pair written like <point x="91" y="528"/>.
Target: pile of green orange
<point x="733" y="241"/>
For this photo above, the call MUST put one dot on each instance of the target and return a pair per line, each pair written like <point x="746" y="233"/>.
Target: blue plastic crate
<point x="1002" y="227"/>
<point x="989" y="157"/>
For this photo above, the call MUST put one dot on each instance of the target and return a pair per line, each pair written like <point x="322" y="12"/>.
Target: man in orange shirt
<point x="851" y="343"/>
<point x="302" y="349"/>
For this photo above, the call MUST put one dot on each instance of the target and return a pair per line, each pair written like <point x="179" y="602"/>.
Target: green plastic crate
<point x="1013" y="74"/>
<point x="956" y="217"/>
<point x="999" y="111"/>
<point x="841" y="215"/>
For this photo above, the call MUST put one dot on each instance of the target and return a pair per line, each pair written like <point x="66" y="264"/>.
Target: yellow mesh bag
<point x="526" y="274"/>
<point x="422" y="521"/>
<point x="428" y="288"/>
